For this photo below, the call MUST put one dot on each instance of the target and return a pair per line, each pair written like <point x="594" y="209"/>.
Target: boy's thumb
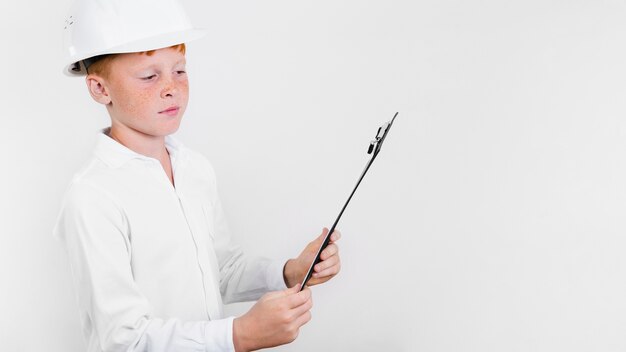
<point x="322" y="236"/>
<point x="293" y="290"/>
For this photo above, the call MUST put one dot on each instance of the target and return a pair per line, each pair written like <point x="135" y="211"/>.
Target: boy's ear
<point x="98" y="89"/>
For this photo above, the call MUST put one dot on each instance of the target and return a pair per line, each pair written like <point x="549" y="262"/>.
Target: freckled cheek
<point x="146" y="101"/>
<point x="139" y="102"/>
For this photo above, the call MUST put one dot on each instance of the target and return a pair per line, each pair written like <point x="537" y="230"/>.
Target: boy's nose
<point x="169" y="91"/>
<point x="170" y="88"/>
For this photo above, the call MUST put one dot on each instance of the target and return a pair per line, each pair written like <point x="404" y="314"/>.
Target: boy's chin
<point x="162" y="131"/>
<point x="168" y="132"/>
<point x="169" y="128"/>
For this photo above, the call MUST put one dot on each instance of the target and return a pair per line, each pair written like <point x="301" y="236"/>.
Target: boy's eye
<point x="148" y="78"/>
<point x="181" y="72"/>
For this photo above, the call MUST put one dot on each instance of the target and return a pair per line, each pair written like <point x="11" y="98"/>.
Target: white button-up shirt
<point x="151" y="262"/>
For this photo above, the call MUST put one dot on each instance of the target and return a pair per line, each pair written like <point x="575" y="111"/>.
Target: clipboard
<point x="374" y="149"/>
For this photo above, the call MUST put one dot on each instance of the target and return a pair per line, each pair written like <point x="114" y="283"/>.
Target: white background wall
<point x="493" y="220"/>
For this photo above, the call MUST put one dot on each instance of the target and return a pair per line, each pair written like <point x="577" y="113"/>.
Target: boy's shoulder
<point x="109" y="163"/>
<point x="91" y="181"/>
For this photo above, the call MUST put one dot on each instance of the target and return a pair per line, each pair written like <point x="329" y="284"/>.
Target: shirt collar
<point x="116" y="154"/>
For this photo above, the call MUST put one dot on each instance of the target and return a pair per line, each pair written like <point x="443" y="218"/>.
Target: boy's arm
<point x="95" y="232"/>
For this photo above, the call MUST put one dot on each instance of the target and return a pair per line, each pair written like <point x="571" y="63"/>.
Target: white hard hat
<point x="100" y="27"/>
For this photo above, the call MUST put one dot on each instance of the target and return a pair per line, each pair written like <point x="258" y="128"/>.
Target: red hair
<point x="101" y="66"/>
<point x="180" y="47"/>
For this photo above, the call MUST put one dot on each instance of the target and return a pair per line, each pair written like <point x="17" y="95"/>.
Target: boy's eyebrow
<point x="155" y="66"/>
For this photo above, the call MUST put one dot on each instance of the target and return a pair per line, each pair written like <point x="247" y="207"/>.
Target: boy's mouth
<point x="171" y="111"/>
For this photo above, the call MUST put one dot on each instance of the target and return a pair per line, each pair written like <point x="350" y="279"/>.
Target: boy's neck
<point x="150" y="146"/>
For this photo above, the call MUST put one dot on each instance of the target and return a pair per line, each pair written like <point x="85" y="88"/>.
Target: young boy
<point x="144" y="229"/>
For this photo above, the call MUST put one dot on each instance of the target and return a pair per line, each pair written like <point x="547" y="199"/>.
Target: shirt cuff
<point x="219" y="335"/>
<point x="274" y="275"/>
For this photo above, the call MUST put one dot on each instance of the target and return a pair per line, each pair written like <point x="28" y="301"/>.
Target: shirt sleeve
<point x="242" y="277"/>
<point x="95" y="232"/>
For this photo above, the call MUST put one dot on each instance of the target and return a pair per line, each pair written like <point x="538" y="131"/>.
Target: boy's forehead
<point x="159" y="56"/>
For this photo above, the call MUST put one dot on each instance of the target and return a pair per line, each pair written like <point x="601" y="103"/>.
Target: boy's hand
<point x="326" y="269"/>
<point x="274" y="320"/>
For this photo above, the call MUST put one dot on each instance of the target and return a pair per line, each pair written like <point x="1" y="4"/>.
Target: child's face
<point x="148" y="94"/>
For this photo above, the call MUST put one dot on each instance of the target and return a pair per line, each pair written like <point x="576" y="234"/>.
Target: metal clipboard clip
<point x="374" y="149"/>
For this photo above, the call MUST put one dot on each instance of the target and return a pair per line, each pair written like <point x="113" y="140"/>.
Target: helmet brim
<point x="164" y="40"/>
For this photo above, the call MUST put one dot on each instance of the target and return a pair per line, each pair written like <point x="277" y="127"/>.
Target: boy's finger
<point x="303" y="319"/>
<point x="283" y="293"/>
<point x="292" y="290"/>
<point x="329" y="251"/>
<point x="303" y="308"/>
<point x="299" y="298"/>
<point x="333" y="270"/>
<point x="335" y="236"/>
<point x="329" y="263"/>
